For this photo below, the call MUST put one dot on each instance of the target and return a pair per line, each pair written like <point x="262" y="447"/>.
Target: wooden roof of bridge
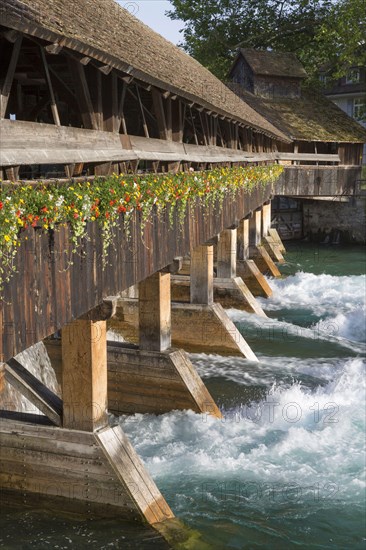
<point x="311" y="117"/>
<point x="103" y="30"/>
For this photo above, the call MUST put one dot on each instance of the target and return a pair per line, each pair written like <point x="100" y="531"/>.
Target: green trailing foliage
<point x="110" y="201"/>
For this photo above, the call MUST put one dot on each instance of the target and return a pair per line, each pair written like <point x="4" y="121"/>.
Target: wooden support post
<point x="203" y="121"/>
<point x="12" y="173"/>
<point x="8" y="82"/>
<point x="121" y="115"/>
<point x="266" y="219"/>
<point x="55" y="114"/>
<point x="69" y="170"/>
<point x="155" y="313"/>
<point x="168" y="108"/>
<point x="99" y="99"/>
<point x="144" y="124"/>
<point x="202" y="275"/>
<point x="83" y="94"/>
<point x="243" y="240"/>
<point x="255" y="232"/>
<point x="111" y="108"/>
<point x="84" y="375"/>
<point x="159" y="113"/>
<point x="178" y="116"/>
<point x="226" y="254"/>
<point x="193" y="126"/>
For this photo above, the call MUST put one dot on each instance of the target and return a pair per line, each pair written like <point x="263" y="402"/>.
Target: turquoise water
<point x="285" y="467"/>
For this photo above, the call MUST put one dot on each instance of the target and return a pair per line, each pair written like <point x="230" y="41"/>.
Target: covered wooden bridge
<point x="87" y="90"/>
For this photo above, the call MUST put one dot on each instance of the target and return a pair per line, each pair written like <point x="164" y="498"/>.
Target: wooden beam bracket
<point x="103" y="311"/>
<point x="174" y="267"/>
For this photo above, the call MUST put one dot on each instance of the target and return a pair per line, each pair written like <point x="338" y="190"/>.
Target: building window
<point x="359" y="109"/>
<point x="353" y="76"/>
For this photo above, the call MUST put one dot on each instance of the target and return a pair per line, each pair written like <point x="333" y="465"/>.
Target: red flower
<point x="76" y="215"/>
<point x="1" y="205"/>
<point x="121" y="209"/>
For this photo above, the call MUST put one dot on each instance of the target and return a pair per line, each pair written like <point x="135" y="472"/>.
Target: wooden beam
<point x="8" y="82"/>
<point x="204" y="128"/>
<point x="67" y="90"/>
<point x="99" y="99"/>
<point x="121" y="115"/>
<point x="146" y="130"/>
<point x="105" y="69"/>
<point x="110" y="103"/>
<point x="160" y="113"/>
<point x="55" y="114"/>
<point x="69" y="170"/>
<point x="178" y="116"/>
<point x="168" y="105"/>
<point x="11" y="35"/>
<point x="36" y="392"/>
<point x="83" y="94"/>
<point x="194" y="127"/>
<point x="53" y="49"/>
<point x="12" y="173"/>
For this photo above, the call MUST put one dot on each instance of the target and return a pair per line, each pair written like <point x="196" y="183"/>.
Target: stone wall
<point x="335" y="221"/>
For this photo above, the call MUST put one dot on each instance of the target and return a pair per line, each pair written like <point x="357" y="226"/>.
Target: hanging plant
<point x="103" y="202"/>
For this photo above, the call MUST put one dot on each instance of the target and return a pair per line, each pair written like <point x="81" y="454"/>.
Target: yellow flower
<point x="7" y="238"/>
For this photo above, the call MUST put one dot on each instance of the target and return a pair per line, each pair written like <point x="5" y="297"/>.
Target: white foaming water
<point x="345" y="329"/>
<point x="242" y="372"/>
<point x="321" y="294"/>
<point x="295" y="436"/>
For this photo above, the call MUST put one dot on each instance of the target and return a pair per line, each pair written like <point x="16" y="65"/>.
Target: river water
<point x="285" y="467"/>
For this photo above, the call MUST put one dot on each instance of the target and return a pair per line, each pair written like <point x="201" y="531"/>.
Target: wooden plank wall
<point x="318" y="181"/>
<point x="52" y="287"/>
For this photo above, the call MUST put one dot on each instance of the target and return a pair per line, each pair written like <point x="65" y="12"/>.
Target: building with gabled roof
<point x="271" y="83"/>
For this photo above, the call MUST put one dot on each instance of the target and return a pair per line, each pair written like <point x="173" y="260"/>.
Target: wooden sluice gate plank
<point x="274" y="249"/>
<point x="253" y="278"/>
<point x="147" y="382"/>
<point x="264" y="261"/>
<point x="36" y="392"/>
<point x="197" y="328"/>
<point x="229" y="293"/>
<point x="78" y="467"/>
<point x="273" y="233"/>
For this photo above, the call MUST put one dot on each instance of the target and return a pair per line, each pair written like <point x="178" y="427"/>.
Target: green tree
<point x="317" y="31"/>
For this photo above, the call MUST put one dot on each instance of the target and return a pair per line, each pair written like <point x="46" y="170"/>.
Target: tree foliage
<point x="319" y="32"/>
